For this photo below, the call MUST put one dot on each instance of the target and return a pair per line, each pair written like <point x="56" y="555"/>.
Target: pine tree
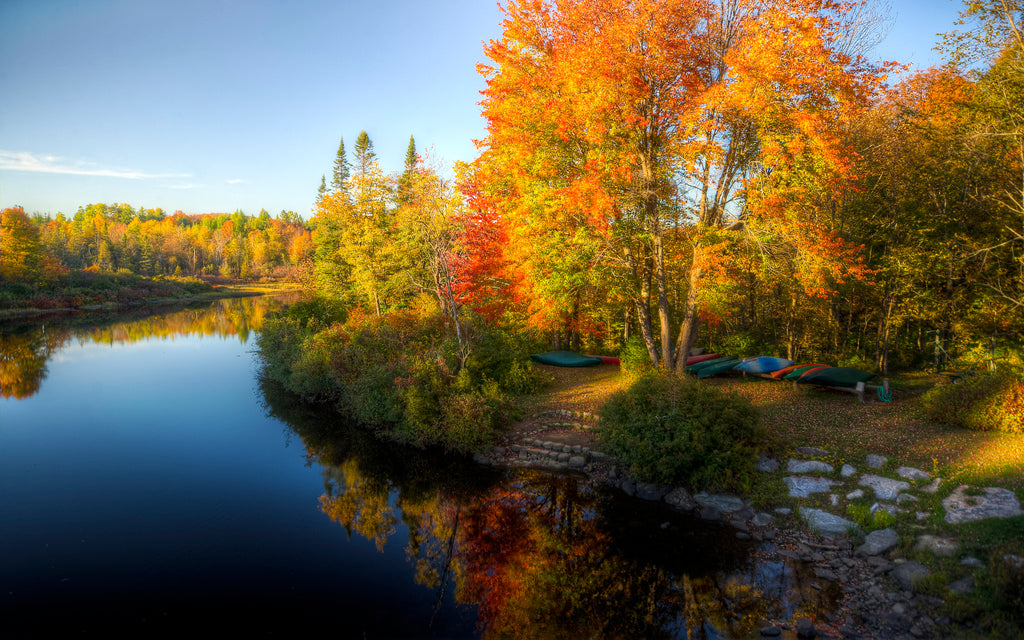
<point x="341" y="168"/>
<point x="323" y="188"/>
<point x="364" y="154"/>
<point x="405" y="182"/>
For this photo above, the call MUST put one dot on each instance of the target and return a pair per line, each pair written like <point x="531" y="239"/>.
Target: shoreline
<point x="877" y="596"/>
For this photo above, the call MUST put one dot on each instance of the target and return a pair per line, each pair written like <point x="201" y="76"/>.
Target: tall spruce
<point x="364" y="153"/>
<point x="323" y="188"/>
<point x="342" y="169"/>
<point x="405" y="181"/>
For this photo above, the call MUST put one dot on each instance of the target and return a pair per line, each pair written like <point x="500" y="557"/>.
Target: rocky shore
<point x="880" y="594"/>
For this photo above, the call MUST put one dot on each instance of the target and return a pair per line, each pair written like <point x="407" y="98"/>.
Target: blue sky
<point x="218" y="105"/>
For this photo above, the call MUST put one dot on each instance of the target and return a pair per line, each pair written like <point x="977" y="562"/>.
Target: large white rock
<point x="808" y="466"/>
<point x="826" y="523"/>
<point x="885" y="488"/>
<point x="910" y="473"/>
<point x="878" y="542"/>
<point x="803" y="486"/>
<point x="995" y="503"/>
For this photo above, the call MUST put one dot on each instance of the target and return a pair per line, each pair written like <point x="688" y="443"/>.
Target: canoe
<point x="762" y="364"/>
<point x="694" y="368"/>
<point x="801" y="370"/>
<point x="836" y="377"/>
<point x="565" y="359"/>
<point x="606" y="359"/>
<point x="783" y="371"/>
<point x="722" y="365"/>
<point x="701" y="358"/>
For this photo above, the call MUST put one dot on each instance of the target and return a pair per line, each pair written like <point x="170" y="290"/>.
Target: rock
<point x="628" y="487"/>
<point x="724" y="504"/>
<point x="680" y="498"/>
<point x="995" y="503"/>
<point x="742" y="535"/>
<point x="803" y="486"/>
<point x="826" y="523"/>
<point x="811" y="451"/>
<point x="932" y="486"/>
<point x="575" y="462"/>
<point x="910" y="473"/>
<point x="783" y="511"/>
<point x="971" y="561"/>
<point x="652" y="492"/>
<point x="908" y="573"/>
<point x="833" y="499"/>
<point x="766" y="464"/>
<point x="1016" y="562"/>
<point x="807" y="466"/>
<point x="962" y="586"/>
<point x="805" y="628"/>
<point x="875" y="461"/>
<point x="878" y="542"/>
<point x="847" y="470"/>
<point x="856" y="493"/>
<point x="771" y="632"/>
<point x="613" y="473"/>
<point x="826" y="574"/>
<point x="942" y="547"/>
<point x="891" y="509"/>
<point x="904" y="498"/>
<point x="564" y="457"/>
<point x="710" y="513"/>
<point x="762" y="520"/>
<point x="885" y="488"/>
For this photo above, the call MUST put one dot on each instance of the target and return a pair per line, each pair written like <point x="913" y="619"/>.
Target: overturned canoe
<point x="721" y="365"/>
<point x="801" y="370"/>
<point x="763" y="364"/>
<point x="605" y="359"/>
<point x="836" y="377"/>
<point x="565" y="359"/>
<point x="784" y="371"/>
<point x="695" y="368"/>
<point x="692" y="360"/>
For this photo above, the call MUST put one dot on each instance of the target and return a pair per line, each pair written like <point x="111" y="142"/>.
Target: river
<point x="152" y="484"/>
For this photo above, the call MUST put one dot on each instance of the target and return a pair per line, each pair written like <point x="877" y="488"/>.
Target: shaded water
<point x="151" y="484"/>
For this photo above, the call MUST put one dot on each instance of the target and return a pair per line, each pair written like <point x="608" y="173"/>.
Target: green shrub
<point x="980" y="402"/>
<point x="634" y="361"/>
<point x="672" y="430"/>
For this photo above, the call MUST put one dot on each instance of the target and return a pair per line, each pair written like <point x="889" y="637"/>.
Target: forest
<point x="737" y="175"/>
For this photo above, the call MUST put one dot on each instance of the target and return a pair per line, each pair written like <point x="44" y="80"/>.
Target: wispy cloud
<point x="234" y="181"/>
<point x="27" y="161"/>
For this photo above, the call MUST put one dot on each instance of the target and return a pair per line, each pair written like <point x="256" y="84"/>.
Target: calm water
<point x="151" y="484"/>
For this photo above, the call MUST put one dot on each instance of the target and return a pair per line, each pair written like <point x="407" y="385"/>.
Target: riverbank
<point x="115" y="297"/>
<point x="836" y="476"/>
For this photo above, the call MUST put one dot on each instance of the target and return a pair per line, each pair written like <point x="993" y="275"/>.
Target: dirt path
<point x="565" y="411"/>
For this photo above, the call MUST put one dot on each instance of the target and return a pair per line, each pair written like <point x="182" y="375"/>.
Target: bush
<point x="634" y="361"/>
<point x="672" y="430"/>
<point x="980" y="402"/>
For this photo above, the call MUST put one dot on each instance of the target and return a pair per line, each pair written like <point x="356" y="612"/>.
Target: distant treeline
<point x="119" y="238"/>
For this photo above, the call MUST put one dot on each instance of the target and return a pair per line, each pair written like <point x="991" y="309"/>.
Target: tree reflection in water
<point x="27" y="345"/>
<point x="542" y="555"/>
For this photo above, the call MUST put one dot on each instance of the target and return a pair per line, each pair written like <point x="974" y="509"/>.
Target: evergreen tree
<point x="323" y="188"/>
<point x="405" y="182"/>
<point x="364" y="154"/>
<point x="341" y="168"/>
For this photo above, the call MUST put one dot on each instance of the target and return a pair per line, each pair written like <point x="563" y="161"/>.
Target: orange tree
<point x="622" y="134"/>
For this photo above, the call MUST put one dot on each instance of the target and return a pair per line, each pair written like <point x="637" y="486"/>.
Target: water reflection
<point x="541" y="555"/>
<point x="27" y="345"/>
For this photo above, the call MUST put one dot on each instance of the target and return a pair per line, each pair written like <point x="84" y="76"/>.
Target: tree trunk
<point x="691" y="321"/>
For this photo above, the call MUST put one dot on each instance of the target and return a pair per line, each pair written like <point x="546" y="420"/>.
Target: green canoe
<point x="694" y="368"/>
<point x="722" y="365"/>
<point x="565" y="359"/>
<point x="837" y="377"/>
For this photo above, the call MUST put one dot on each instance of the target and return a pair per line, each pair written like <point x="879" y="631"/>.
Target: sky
<point x="219" y="105"/>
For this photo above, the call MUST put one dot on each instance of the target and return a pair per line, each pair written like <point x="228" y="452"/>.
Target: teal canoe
<point x="723" y="365"/>
<point x="565" y="359"/>
<point x="801" y="370"/>
<point x="694" y="368"/>
<point x="836" y="377"/>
